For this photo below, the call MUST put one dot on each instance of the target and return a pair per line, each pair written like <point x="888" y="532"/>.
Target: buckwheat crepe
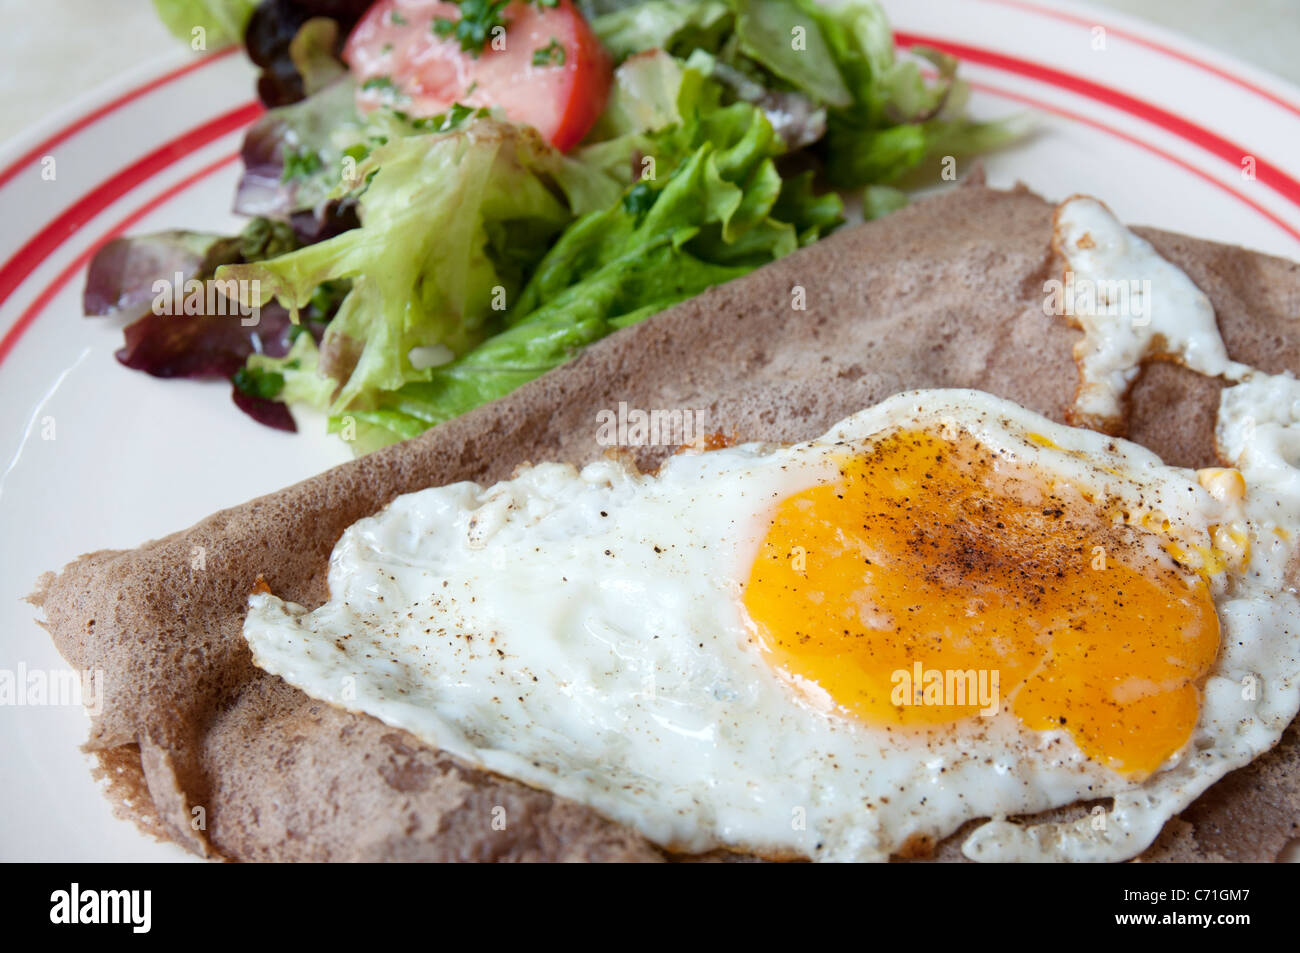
<point x="946" y="293"/>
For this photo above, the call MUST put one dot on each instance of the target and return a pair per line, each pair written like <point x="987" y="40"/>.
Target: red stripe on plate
<point x="34" y="309"/>
<point x="1155" y="150"/>
<point x="27" y="258"/>
<point x="1140" y="40"/>
<point x="1265" y="172"/>
<point x="74" y="127"/>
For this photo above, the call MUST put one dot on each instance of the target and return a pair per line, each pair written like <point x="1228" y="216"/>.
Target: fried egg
<point x="946" y="608"/>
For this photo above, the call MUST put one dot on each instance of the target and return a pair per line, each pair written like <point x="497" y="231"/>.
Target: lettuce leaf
<point x="122" y="273"/>
<point x="898" y="118"/>
<point x="674" y="26"/>
<point x="782" y="37"/>
<point x="299" y="372"/>
<point x="293" y="154"/>
<point x="223" y="21"/>
<point x="827" y="74"/>
<point x="450" y="225"/>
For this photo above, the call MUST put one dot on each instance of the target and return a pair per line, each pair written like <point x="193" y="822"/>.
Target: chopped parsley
<point x="300" y="164"/>
<point x="639" y="199"/>
<point x="396" y="19"/>
<point x="256" y="382"/>
<point x="550" y="55"/>
<point x="262" y="239"/>
<point x="474" y="29"/>
<point x="326" y="298"/>
<point x="357" y="151"/>
<point x="383" y="84"/>
<point x="451" y="119"/>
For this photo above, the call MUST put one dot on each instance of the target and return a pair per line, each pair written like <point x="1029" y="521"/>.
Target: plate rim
<point x="77" y="109"/>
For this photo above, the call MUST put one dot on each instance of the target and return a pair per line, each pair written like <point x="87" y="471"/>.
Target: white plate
<point x="95" y="456"/>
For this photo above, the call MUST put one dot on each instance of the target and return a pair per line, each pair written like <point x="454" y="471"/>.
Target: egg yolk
<point x="943" y="559"/>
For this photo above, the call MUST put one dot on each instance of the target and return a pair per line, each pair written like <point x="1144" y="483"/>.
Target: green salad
<point x="435" y="243"/>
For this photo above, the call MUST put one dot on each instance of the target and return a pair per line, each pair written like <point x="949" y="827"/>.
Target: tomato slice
<point x="547" y="69"/>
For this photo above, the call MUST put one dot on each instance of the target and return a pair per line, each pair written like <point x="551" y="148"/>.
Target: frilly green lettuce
<point x="450" y="225"/>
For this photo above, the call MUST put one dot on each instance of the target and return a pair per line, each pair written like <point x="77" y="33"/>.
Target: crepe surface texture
<point x="945" y="293"/>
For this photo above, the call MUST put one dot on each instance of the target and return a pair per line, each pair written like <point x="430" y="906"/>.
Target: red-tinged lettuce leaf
<point x="272" y="413"/>
<point x="122" y="276"/>
<point x="333" y="218"/>
<point x="261" y="189"/>
<point x="122" y="273"/>
<point x="203" y="346"/>
<point x="293" y="155"/>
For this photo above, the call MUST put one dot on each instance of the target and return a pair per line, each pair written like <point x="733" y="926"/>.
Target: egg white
<point x="1165" y="314"/>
